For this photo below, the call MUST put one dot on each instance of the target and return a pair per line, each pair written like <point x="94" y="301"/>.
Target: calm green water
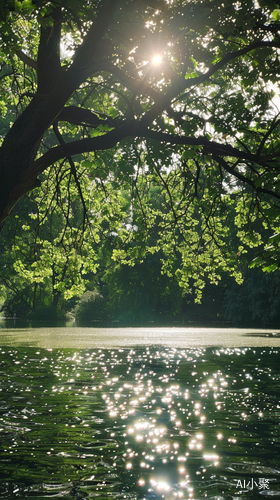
<point x="141" y="422"/>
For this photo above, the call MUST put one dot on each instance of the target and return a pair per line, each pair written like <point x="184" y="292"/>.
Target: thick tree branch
<point x="27" y="180"/>
<point x="100" y="143"/>
<point x="48" y="60"/>
<point x="82" y="116"/>
<point x="87" y="54"/>
<point x="134" y="129"/>
<point x="79" y="116"/>
<point x="55" y="87"/>
<point x="26" y="59"/>
<point x="208" y="146"/>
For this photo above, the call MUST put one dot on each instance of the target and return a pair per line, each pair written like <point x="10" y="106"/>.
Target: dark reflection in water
<point x="141" y="423"/>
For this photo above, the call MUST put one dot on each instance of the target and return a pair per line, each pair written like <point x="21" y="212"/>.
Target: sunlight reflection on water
<point x="143" y="422"/>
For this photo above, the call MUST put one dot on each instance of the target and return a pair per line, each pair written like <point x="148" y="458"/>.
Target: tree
<point x="206" y="95"/>
<point x="168" y="95"/>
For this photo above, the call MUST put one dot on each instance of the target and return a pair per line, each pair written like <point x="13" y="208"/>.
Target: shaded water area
<point x="139" y="414"/>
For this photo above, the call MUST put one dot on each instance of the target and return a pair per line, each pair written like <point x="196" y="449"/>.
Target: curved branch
<point x="27" y="179"/>
<point x="79" y="116"/>
<point x="100" y="143"/>
<point x="83" y="116"/>
<point x="26" y="59"/>
<point x="134" y="129"/>
<point x="208" y="146"/>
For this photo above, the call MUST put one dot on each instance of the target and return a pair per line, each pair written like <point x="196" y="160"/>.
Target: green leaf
<point x="18" y="6"/>
<point x="276" y="14"/>
<point x="273" y="213"/>
<point x="270" y="268"/>
<point x="112" y="111"/>
<point x="193" y="74"/>
<point x="188" y="154"/>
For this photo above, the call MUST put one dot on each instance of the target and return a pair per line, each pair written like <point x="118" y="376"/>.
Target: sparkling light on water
<point x="137" y="423"/>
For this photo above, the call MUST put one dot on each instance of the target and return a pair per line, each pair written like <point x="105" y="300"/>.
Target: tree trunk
<point x="55" y="87"/>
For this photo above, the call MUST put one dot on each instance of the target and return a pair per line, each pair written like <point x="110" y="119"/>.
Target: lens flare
<point x="156" y="60"/>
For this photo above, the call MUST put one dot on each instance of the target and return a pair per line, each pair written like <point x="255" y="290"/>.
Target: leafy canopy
<point x="153" y="123"/>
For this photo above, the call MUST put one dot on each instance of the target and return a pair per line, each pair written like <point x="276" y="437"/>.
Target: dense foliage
<point x="146" y="135"/>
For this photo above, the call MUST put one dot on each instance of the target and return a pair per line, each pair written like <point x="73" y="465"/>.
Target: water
<point x="152" y="419"/>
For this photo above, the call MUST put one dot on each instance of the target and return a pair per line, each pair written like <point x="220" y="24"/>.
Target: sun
<point x="157" y="59"/>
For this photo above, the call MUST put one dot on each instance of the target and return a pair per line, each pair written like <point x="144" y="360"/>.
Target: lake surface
<point x="163" y="413"/>
<point x="81" y="338"/>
